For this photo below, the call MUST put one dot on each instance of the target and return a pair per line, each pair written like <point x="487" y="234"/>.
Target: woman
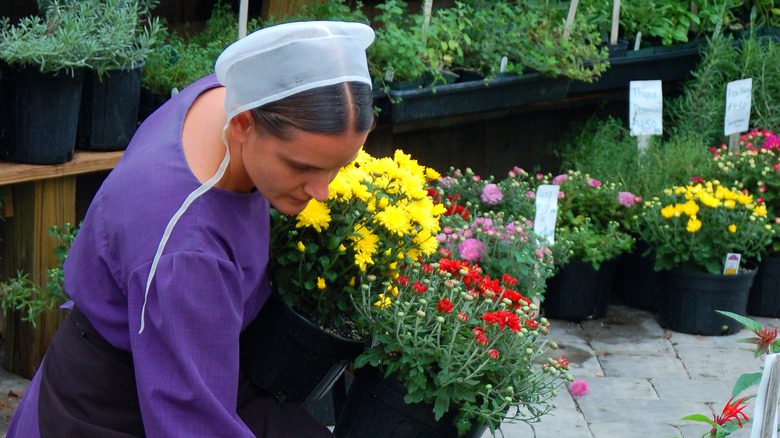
<point x="170" y="263"/>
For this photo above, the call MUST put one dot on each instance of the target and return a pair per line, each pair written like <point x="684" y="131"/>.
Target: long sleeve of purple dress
<point x="210" y="282"/>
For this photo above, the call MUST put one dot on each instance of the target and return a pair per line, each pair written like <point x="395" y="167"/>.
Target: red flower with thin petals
<point x="419" y="287"/>
<point x="764" y="339"/>
<point x="445" y="305"/>
<point x="503" y="318"/>
<point x="731" y="413"/>
<point x="697" y="179"/>
<point x="515" y="297"/>
<point x="493" y="354"/>
<point x="463" y="317"/>
<point x="427" y="268"/>
<point x="531" y="324"/>
<point x="444" y="252"/>
<point x="452" y="266"/>
<point x="402" y="280"/>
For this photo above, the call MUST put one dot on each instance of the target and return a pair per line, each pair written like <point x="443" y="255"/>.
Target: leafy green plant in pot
<point x="121" y="43"/>
<point x="591" y="223"/>
<point x="41" y="59"/>
<point x="691" y="230"/>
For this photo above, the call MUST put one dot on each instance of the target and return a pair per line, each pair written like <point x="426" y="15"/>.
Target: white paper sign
<point x="546" y="211"/>
<point x="764" y="418"/>
<point x="645" y="108"/>
<point x="738" y="101"/>
<point x="731" y="266"/>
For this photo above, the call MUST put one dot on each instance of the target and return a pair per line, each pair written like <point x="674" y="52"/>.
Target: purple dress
<point x="209" y="285"/>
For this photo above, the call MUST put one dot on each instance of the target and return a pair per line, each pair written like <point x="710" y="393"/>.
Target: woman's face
<point x="290" y="172"/>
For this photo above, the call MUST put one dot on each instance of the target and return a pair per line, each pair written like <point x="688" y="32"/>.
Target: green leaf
<point x="747" y="322"/>
<point x="746" y="381"/>
<point x="700" y="417"/>
<point x="441" y="406"/>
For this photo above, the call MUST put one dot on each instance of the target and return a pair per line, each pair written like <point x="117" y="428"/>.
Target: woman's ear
<point x="242" y="126"/>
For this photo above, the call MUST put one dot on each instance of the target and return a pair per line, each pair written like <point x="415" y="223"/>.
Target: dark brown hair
<point x="329" y="109"/>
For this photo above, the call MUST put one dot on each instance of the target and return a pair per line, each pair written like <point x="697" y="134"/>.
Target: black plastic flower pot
<point x="666" y="64"/>
<point x="375" y="408"/>
<point x="39" y="115"/>
<point x="764" y="297"/>
<point x="578" y="292"/>
<point x="109" y="109"/>
<point x="473" y="97"/>
<point x="689" y="300"/>
<point x="149" y="103"/>
<point x="635" y="279"/>
<point x="290" y="357"/>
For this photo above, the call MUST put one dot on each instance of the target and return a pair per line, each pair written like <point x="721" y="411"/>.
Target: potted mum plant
<point x="454" y="352"/>
<point x="756" y="167"/>
<point x="377" y="218"/>
<point x="591" y="225"/>
<point x="691" y="229"/>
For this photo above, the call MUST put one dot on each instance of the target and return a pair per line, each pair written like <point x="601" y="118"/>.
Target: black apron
<point x="88" y="389"/>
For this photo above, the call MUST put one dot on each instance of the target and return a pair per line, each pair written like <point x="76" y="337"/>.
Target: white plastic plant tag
<point x="738" y="101"/>
<point x="764" y="419"/>
<point x="174" y="91"/>
<point x="731" y="266"/>
<point x="502" y="64"/>
<point x="546" y="211"/>
<point x="645" y="108"/>
<point x="638" y="40"/>
<point x="389" y="73"/>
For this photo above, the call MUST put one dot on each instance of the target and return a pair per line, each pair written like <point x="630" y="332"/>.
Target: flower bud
<point x="422" y="301"/>
<point x="401" y="314"/>
<point x="440" y="319"/>
<point x="420" y="313"/>
<point x="371" y="277"/>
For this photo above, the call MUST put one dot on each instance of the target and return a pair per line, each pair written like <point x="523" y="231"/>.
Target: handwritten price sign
<point x="738" y="101"/>
<point x="645" y="105"/>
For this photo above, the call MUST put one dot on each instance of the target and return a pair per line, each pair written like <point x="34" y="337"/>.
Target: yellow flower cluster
<point x="385" y="198"/>
<point x="710" y="194"/>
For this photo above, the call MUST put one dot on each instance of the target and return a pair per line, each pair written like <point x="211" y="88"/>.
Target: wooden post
<point x="284" y="8"/>
<point x="28" y="247"/>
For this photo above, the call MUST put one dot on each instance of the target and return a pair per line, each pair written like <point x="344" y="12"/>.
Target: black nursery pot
<point x="109" y="109"/>
<point x="689" y="300"/>
<point x="764" y="297"/>
<point x="39" y="115"/>
<point x="290" y="357"/>
<point x="375" y="408"/>
<point x="578" y="292"/>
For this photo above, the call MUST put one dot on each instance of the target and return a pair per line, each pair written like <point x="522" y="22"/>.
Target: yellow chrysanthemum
<point x="732" y="228"/>
<point x="321" y="283"/>
<point x="668" y="211"/>
<point x="431" y="174"/>
<point x="694" y="225"/>
<point x="426" y="242"/>
<point x="690" y="208"/>
<point x="760" y="210"/>
<point x="315" y="215"/>
<point x="384" y="302"/>
<point x="366" y="242"/>
<point x="342" y="248"/>
<point x="301" y="246"/>
<point x="729" y="203"/>
<point x="394" y="219"/>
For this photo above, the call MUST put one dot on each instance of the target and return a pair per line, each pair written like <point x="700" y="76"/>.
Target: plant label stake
<point x="570" y="19"/>
<point x="546" y="211"/>
<point x="645" y="108"/>
<point x="427" y="9"/>
<point x="638" y="40"/>
<point x="738" y="101"/>
<point x="502" y="64"/>
<point x="765" y="415"/>
<point x="613" y="36"/>
<point x="243" y="13"/>
<point x="731" y="267"/>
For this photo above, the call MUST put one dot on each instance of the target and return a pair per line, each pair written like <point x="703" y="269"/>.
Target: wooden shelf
<point x="82" y="162"/>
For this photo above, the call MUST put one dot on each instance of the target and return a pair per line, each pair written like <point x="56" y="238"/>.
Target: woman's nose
<point x="318" y="189"/>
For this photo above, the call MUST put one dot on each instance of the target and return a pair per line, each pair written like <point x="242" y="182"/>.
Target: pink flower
<point x="628" y="199"/>
<point x="594" y="182"/>
<point x="578" y="388"/>
<point x="531" y="195"/>
<point x="491" y="194"/>
<point x="560" y="179"/>
<point x="539" y="176"/>
<point x="472" y="250"/>
<point x="560" y="195"/>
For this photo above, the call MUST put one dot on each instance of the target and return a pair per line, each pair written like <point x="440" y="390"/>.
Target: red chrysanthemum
<point x="445" y="305"/>
<point x="479" y="336"/>
<point x="419" y="287"/>
<point x="503" y="318"/>
<point x="493" y="354"/>
<point x="515" y="297"/>
<point x="531" y="324"/>
<point x="402" y="280"/>
<point x="508" y="280"/>
<point x="463" y="317"/>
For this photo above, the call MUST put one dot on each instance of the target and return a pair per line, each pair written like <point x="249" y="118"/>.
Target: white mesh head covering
<point x="269" y="65"/>
<point x="283" y="60"/>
